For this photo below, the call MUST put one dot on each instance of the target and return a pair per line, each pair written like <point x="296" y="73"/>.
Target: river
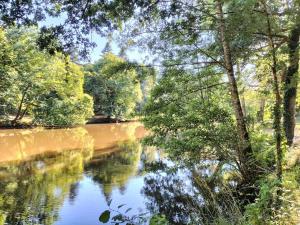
<point x="68" y="176"/>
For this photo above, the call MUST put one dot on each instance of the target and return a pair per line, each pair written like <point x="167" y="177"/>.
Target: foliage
<point x="264" y="150"/>
<point x="116" y="89"/>
<point x="48" y="88"/>
<point x="104" y="217"/>
<point x="7" y="74"/>
<point x="53" y="111"/>
<point x="80" y="18"/>
<point x="158" y="220"/>
<point x="187" y="120"/>
<point x="264" y="209"/>
<point x="122" y="217"/>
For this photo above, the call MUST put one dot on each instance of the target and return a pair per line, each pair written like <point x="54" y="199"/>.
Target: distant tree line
<point x="50" y="88"/>
<point x="119" y="88"/>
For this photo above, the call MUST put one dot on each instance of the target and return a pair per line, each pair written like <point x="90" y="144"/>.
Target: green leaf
<point x="104" y="217"/>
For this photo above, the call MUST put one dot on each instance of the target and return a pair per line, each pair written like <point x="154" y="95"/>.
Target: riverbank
<point x="105" y="119"/>
<point x="26" y="123"/>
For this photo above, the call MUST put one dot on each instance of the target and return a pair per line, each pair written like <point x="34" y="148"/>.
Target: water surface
<point x="68" y="176"/>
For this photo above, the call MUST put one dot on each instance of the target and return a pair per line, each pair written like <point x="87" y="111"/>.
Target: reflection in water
<point x="115" y="169"/>
<point x="43" y="173"/>
<point x="68" y="176"/>
<point x="190" y="196"/>
<point x="23" y="144"/>
<point x="32" y="191"/>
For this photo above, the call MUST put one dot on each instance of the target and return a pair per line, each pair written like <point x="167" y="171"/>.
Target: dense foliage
<point x="48" y="88"/>
<point x="117" y="86"/>
<point x="188" y="122"/>
<point x="253" y="45"/>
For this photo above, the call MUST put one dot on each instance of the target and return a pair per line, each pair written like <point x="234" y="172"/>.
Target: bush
<point x="264" y="211"/>
<point x="64" y="112"/>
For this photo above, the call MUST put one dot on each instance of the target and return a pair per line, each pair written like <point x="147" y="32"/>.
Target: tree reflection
<point x="32" y="192"/>
<point x="114" y="170"/>
<point x="34" y="186"/>
<point x="190" y="196"/>
<point x="74" y="188"/>
<point x="20" y="145"/>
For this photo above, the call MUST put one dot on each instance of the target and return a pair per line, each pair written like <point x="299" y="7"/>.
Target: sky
<point x="95" y="54"/>
<point x="133" y="55"/>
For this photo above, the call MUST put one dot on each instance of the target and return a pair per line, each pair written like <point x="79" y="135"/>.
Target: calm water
<point x="67" y="176"/>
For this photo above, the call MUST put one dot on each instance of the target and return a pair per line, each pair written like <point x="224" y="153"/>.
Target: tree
<point x="7" y="75"/>
<point x="196" y="35"/>
<point x="42" y="84"/>
<point x="29" y="65"/>
<point x="64" y="102"/>
<point x="190" y="118"/>
<point x="245" y="151"/>
<point x="114" y="86"/>
<point x="201" y="45"/>
<point x="276" y="90"/>
<point x="271" y="35"/>
<point x="291" y="83"/>
<point x="80" y="19"/>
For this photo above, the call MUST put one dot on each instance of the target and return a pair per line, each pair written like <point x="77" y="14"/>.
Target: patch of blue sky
<point x="132" y="54"/>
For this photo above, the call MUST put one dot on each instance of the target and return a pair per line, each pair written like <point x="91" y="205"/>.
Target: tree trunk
<point x="276" y="91"/>
<point x="261" y="111"/>
<point x="245" y="150"/>
<point x="24" y="112"/>
<point x="243" y="105"/>
<point x="21" y="104"/>
<point x="242" y="89"/>
<point x="290" y="85"/>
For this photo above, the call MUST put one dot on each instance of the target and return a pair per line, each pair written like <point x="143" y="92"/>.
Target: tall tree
<point x="194" y="35"/>
<point x="291" y="80"/>
<point x="276" y="89"/>
<point x="245" y="150"/>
